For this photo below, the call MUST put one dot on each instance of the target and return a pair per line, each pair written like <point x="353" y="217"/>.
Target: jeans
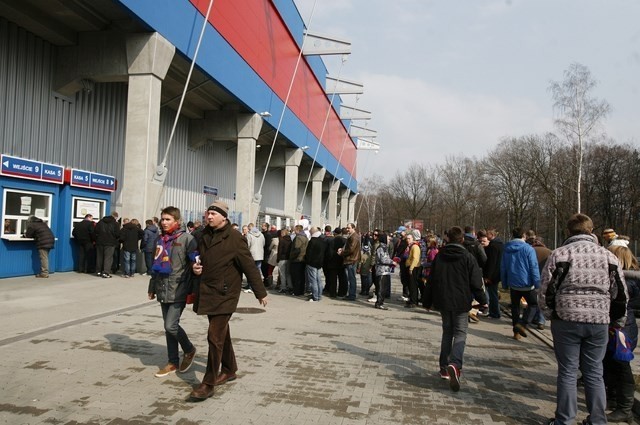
<point x="350" y="269"/>
<point x="531" y="297"/>
<point x="454" y="338"/>
<point x="173" y="332"/>
<point x="580" y="345"/>
<point x="283" y="272"/>
<point x="494" y="300"/>
<point x="148" y="261"/>
<point x="130" y="264"/>
<point x="405" y="277"/>
<point x="315" y="282"/>
<point x="365" y="283"/>
<point x="414" y="276"/>
<point x="104" y="258"/>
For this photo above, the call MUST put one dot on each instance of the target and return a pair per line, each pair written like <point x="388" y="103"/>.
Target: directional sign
<point x="208" y="190"/>
<point x="32" y="170"/>
<point x="91" y="180"/>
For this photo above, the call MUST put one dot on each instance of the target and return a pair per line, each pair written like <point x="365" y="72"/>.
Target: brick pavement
<point x="78" y="349"/>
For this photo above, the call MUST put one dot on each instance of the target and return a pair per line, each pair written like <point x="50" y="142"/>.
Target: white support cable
<point x="324" y="126"/>
<point x="186" y="84"/>
<point x="344" y="143"/>
<point x="366" y="163"/>
<point x="258" y="196"/>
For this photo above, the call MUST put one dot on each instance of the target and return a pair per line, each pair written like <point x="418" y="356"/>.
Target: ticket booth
<point x="28" y="188"/>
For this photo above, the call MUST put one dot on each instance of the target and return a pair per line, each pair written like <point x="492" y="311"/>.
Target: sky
<point x="445" y="78"/>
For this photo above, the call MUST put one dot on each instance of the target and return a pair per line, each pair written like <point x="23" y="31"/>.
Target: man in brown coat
<point x="351" y="254"/>
<point x="223" y="257"/>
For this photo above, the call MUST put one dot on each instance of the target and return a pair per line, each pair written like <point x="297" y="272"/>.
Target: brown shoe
<point x="225" y="377"/>
<point x="187" y="361"/>
<point x="520" y="329"/>
<point x="42" y="276"/>
<point x="517" y="336"/>
<point x="167" y="370"/>
<point x="202" y="392"/>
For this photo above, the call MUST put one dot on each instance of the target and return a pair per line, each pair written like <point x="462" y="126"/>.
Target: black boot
<point x="624" y="404"/>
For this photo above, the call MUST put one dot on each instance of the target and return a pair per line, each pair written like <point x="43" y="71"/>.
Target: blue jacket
<point x="519" y="266"/>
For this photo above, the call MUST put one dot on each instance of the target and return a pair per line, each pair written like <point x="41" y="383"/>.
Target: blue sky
<point x="452" y="77"/>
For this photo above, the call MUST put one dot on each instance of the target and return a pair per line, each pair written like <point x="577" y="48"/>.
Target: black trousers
<point x="297" y="276"/>
<point x="331" y="284"/>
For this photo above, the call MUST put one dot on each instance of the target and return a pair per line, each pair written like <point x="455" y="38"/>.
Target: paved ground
<point x="78" y="349"/>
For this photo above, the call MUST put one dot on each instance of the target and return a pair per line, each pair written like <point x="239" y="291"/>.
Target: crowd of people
<point x="589" y="288"/>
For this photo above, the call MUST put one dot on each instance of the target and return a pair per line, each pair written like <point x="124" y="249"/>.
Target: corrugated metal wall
<point x="86" y="132"/>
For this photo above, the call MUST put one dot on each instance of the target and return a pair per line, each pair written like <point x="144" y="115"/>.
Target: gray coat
<point x="176" y="286"/>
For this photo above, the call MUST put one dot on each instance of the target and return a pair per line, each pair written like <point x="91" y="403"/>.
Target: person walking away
<point x="84" y="234"/>
<point x="224" y="258"/>
<point x="170" y="285"/>
<point x="130" y="235"/>
<point x="455" y="280"/>
<point x="149" y="237"/>
<point x="107" y="237"/>
<point x="519" y="272"/>
<point x="43" y="236"/>
<point x="296" y="260"/>
<point x="542" y="253"/>
<point x="333" y="266"/>
<point x="491" y="271"/>
<point x="583" y="291"/>
<point x="284" y="249"/>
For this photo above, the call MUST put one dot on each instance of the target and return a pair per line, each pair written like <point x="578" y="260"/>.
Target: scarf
<point x="162" y="259"/>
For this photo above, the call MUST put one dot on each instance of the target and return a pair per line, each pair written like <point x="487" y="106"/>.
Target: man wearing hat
<point x="224" y="257"/>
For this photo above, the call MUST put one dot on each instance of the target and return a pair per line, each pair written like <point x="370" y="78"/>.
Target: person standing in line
<point x="351" y="255"/>
<point x="43" y="236"/>
<point x="130" y="235"/>
<point x="296" y="260"/>
<point x="170" y="285"/>
<point x="583" y="287"/>
<point x="314" y="258"/>
<point x="382" y="263"/>
<point x="223" y="257"/>
<point x="412" y="264"/>
<point x="454" y="281"/>
<point x="107" y="238"/>
<point x="84" y="234"/>
<point x="284" y="249"/>
<point x="149" y="237"/>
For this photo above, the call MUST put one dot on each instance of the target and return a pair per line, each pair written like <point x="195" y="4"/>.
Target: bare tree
<point x="579" y="114"/>
<point x="458" y="178"/>
<point x="512" y="180"/>
<point x="412" y="190"/>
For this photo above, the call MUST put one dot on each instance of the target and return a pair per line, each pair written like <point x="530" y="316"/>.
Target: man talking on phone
<point x="223" y="257"/>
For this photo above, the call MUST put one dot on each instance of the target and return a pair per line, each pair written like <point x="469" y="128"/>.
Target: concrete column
<point x="249" y="126"/>
<point x="148" y="58"/>
<point x="344" y="207"/>
<point x="352" y="209"/>
<point x="317" y="176"/>
<point x="332" y="213"/>
<point x="292" y="160"/>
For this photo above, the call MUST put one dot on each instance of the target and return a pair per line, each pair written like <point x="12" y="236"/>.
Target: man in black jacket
<point x="43" y="236"/>
<point x="107" y="238"/>
<point x="455" y="279"/>
<point x="314" y="259"/>
<point x="84" y="234"/>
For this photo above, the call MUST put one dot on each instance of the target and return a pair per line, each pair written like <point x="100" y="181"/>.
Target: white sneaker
<point x="247" y="291"/>
<point x="372" y="299"/>
<point x="311" y="300"/>
<point x="405" y="299"/>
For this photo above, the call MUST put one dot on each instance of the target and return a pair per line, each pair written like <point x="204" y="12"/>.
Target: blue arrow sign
<point x="32" y="170"/>
<point x="103" y="182"/>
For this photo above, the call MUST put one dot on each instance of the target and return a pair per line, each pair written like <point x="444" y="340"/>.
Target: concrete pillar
<point x="292" y="160"/>
<point x="148" y="58"/>
<point x="332" y="213"/>
<point x="344" y="207"/>
<point x="317" y="176"/>
<point x="249" y="126"/>
<point x="352" y="209"/>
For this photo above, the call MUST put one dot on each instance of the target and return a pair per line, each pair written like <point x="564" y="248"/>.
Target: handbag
<point x="619" y="345"/>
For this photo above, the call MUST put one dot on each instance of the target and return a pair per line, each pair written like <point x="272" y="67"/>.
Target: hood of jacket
<point x="109" y="219"/>
<point x="255" y="232"/>
<point x="581" y="238"/>
<point x="515" y="245"/>
<point x="452" y="252"/>
<point x="152" y="228"/>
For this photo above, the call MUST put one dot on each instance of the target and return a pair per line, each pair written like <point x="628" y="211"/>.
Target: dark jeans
<point x="414" y="277"/>
<point x="350" y="270"/>
<point x="365" y="284"/>
<point x="173" y="332"/>
<point x="404" y="279"/>
<point x="382" y="284"/>
<point x="531" y="297"/>
<point x="494" y="300"/>
<point x="148" y="261"/>
<point x="343" y="285"/>
<point x="85" y="254"/>
<point x="331" y="281"/>
<point x="298" y="276"/>
<point x="454" y="338"/>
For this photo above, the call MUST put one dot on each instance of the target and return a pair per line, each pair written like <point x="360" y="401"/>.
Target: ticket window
<point x="83" y="206"/>
<point x="18" y="206"/>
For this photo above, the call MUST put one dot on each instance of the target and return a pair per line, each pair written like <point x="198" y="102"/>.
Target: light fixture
<point x="304" y="148"/>
<point x="265" y="114"/>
